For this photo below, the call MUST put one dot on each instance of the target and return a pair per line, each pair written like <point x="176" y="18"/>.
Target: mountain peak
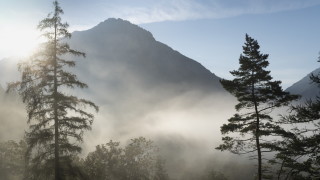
<point x="129" y="49"/>
<point x="121" y="27"/>
<point x="115" y="21"/>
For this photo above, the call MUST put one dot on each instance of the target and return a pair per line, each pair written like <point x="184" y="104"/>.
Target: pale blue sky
<point x="208" y="31"/>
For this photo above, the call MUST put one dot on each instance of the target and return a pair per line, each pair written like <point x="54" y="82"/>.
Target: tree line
<point x="139" y="159"/>
<point x="58" y="120"/>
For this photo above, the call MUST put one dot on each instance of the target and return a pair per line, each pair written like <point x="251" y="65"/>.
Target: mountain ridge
<point x="160" y="62"/>
<point x="305" y="87"/>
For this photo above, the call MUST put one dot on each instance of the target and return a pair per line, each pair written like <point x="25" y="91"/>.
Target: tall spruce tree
<point x="258" y="95"/>
<point x="300" y="155"/>
<point x="57" y="120"/>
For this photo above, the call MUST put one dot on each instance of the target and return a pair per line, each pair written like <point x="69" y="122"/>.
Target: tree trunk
<point x="257" y="134"/>
<point x="258" y="143"/>
<point x="55" y="106"/>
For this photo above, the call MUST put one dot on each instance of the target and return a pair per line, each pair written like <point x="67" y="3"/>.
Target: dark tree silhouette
<point x="300" y="154"/>
<point x="56" y="119"/>
<point x="258" y="95"/>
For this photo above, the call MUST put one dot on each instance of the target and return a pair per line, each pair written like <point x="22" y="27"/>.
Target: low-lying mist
<point x="145" y="88"/>
<point x="12" y="116"/>
<point x="185" y="125"/>
<point x="183" y="120"/>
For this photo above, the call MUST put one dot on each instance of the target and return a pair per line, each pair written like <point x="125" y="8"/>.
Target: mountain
<point x="125" y="65"/>
<point x="126" y="50"/>
<point x="124" y="57"/>
<point x="145" y="88"/>
<point x="305" y="87"/>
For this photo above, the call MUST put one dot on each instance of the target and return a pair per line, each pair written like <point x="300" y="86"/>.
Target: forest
<point x="282" y="147"/>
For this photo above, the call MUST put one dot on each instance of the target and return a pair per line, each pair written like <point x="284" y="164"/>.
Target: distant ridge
<point x="305" y="87"/>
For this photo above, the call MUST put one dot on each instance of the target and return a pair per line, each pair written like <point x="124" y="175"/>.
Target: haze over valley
<point x="145" y="88"/>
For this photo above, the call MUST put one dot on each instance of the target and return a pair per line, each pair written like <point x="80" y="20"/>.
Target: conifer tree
<point x="57" y="120"/>
<point x="300" y="155"/>
<point x="258" y="95"/>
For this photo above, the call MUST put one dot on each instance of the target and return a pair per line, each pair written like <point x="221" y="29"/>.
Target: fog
<point x="185" y="127"/>
<point x="144" y="88"/>
<point x="12" y="117"/>
<point x="183" y="120"/>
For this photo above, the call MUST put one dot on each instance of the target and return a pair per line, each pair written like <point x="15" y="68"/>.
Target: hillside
<point x="305" y="87"/>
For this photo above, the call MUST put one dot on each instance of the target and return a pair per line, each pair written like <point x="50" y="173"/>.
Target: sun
<point x="18" y="41"/>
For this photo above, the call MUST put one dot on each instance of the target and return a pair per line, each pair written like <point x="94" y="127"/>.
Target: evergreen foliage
<point x="258" y="95"/>
<point x="213" y="175"/>
<point x="139" y="160"/>
<point x="57" y="120"/>
<point x="12" y="164"/>
<point x="300" y="154"/>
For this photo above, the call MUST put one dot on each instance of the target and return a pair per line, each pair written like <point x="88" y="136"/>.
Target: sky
<point x="211" y="32"/>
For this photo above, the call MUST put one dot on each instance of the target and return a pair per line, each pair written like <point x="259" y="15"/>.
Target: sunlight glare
<point x="18" y="41"/>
